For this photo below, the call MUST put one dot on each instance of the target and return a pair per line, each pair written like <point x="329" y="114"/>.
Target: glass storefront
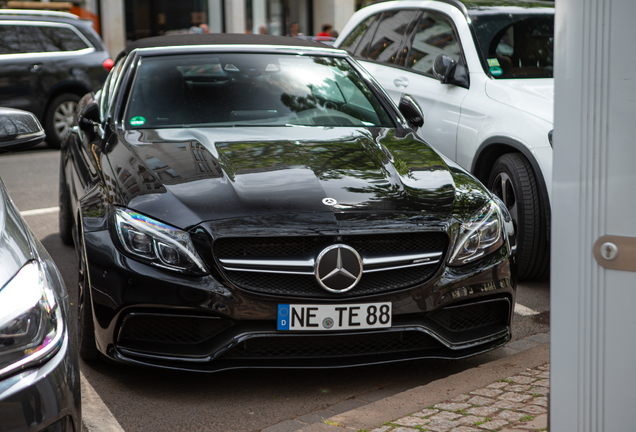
<point x="145" y="18"/>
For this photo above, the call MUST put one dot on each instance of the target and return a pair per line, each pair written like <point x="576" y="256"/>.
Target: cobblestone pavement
<point x="517" y="403"/>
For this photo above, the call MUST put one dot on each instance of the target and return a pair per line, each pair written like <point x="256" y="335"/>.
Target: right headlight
<point x="31" y="325"/>
<point x="479" y="236"/>
<point x="157" y="243"/>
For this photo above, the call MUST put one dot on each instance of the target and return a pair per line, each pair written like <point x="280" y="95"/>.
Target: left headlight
<point x="479" y="236"/>
<point x="31" y="325"/>
<point x="160" y="244"/>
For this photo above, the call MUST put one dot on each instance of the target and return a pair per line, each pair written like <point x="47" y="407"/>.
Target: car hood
<point x="534" y="96"/>
<point x="15" y="249"/>
<point x="187" y="176"/>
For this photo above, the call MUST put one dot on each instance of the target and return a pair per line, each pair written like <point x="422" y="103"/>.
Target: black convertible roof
<point x="192" y="39"/>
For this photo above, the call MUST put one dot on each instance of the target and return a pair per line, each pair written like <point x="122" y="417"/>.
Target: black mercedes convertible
<point x="257" y="201"/>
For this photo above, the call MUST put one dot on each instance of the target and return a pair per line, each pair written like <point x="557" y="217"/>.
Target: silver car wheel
<point x="64" y="119"/>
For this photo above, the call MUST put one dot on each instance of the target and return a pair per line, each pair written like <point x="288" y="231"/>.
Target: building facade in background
<point x="123" y="21"/>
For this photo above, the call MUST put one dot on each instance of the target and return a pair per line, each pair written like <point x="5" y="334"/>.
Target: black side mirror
<point x="87" y="115"/>
<point x="442" y="66"/>
<point x="411" y="111"/>
<point x="87" y="112"/>
<point x="19" y="129"/>
<point x="448" y="71"/>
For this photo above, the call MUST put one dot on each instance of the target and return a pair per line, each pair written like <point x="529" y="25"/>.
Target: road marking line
<point x="40" y="211"/>
<point x="525" y="311"/>
<point x="95" y="414"/>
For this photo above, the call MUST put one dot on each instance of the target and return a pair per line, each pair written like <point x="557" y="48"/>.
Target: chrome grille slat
<point x="306" y="267"/>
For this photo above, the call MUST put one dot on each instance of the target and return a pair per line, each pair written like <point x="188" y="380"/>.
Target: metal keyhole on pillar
<point x="609" y="251"/>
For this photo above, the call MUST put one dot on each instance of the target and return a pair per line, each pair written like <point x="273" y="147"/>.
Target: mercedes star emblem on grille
<point x="329" y="201"/>
<point x="338" y="268"/>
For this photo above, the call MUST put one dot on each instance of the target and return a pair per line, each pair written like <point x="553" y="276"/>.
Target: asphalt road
<point x="148" y="399"/>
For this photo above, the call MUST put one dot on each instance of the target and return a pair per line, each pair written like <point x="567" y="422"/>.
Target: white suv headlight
<point x="31" y="325"/>
<point x="162" y="245"/>
<point x="479" y="236"/>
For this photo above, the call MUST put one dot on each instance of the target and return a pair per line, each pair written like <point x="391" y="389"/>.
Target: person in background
<point x="294" y="30"/>
<point x="262" y="29"/>
<point x="333" y="34"/>
<point x="204" y="28"/>
<point x="325" y="33"/>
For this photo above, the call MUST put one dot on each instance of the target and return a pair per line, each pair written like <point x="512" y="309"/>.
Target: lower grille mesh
<point x="297" y="347"/>
<point x="170" y="329"/>
<point x="473" y="316"/>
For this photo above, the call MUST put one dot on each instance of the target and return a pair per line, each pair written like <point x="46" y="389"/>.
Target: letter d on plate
<point x="283" y="317"/>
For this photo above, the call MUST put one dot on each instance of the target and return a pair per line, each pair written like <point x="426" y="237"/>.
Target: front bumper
<point x="145" y="315"/>
<point x="43" y="398"/>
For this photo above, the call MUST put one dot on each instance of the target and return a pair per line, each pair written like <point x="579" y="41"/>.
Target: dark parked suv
<point x="48" y="61"/>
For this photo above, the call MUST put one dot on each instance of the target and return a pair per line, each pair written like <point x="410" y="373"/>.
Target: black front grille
<point x="310" y="247"/>
<point x="264" y="247"/>
<point x="473" y="316"/>
<point x="331" y="346"/>
<point x="182" y="330"/>
<point x="307" y="286"/>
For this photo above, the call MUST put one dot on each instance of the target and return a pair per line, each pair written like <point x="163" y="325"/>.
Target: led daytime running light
<point x="160" y="236"/>
<point x="479" y="236"/>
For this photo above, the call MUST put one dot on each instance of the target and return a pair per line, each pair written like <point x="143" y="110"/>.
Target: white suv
<point x="482" y="73"/>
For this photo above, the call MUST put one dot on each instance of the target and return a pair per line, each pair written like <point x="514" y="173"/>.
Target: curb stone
<point x="454" y="389"/>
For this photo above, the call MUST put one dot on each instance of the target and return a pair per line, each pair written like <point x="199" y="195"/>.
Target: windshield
<point x="250" y="90"/>
<point x="515" y="44"/>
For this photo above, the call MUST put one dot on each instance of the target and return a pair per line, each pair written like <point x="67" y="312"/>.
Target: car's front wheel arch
<point x="487" y="160"/>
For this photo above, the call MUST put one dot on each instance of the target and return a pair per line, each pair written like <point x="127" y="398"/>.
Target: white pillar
<point x="334" y="12"/>
<point x="259" y="14"/>
<point x="113" y="26"/>
<point x="91" y="6"/>
<point x="234" y="16"/>
<point x="593" y="323"/>
<point x="215" y="17"/>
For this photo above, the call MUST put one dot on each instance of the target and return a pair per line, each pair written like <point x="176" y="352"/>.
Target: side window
<point x="102" y="97"/>
<point x="9" y="42"/>
<point x="388" y="37"/>
<point x="61" y="39"/>
<point x="30" y="41"/>
<point x="433" y="36"/>
<point x="362" y="48"/>
<point x="352" y="41"/>
<point x="107" y="93"/>
<point x="114" y="80"/>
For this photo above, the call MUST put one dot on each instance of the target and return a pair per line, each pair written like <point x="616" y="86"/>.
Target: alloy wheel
<point x="64" y="119"/>
<point x="504" y="189"/>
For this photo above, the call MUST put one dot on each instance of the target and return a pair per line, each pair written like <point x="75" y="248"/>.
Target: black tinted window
<point x="251" y="90"/>
<point x="9" y="42"/>
<point x="516" y="45"/>
<point x="388" y="37"/>
<point x="352" y="41"/>
<point x="61" y="39"/>
<point x="433" y="36"/>
<point x="30" y="39"/>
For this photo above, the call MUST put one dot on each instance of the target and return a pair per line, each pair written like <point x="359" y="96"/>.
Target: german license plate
<point x="334" y="317"/>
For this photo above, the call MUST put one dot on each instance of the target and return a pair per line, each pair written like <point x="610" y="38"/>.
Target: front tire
<point x="86" y="327"/>
<point x="60" y="118"/>
<point x="512" y="179"/>
<point x="65" y="217"/>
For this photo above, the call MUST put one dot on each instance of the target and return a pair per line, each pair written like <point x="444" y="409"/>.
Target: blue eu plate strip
<point x="283" y="317"/>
